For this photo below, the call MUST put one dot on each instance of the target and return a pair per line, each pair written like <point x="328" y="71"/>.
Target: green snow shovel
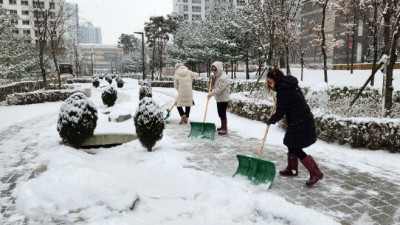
<point x="203" y="130"/>
<point x="256" y="169"/>
<point x="169" y="111"/>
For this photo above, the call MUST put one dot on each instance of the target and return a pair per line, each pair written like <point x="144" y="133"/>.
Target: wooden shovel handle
<point x="266" y="132"/>
<point x="205" y="113"/>
<point x="172" y="106"/>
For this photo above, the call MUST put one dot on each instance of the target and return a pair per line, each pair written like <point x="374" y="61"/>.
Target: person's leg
<point x="219" y="114"/>
<point x="182" y="114"/>
<point x="180" y="110"/>
<point x="293" y="162"/>
<point x="310" y="164"/>
<point x="222" y="114"/>
<point x="186" y="114"/>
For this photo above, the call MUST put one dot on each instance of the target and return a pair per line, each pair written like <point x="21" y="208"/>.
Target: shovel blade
<point x="167" y="114"/>
<point x="202" y="130"/>
<point x="256" y="170"/>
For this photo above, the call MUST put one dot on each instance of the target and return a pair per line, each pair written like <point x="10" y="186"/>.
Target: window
<point x="241" y="3"/>
<point x="52" y="5"/>
<point x="12" y="11"/>
<point x="185" y="8"/>
<point x="26" y="32"/>
<point x="196" y="8"/>
<point x="1" y="1"/>
<point x="196" y="1"/>
<point x="52" y="14"/>
<point x="185" y="1"/>
<point x="185" y="16"/>
<point x="24" y="2"/>
<point x="196" y="17"/>
<point x="15" y="31"/>
<point x="25" y="22"/>
<point x="360" y="28"/>
<point x="12" y="2"/>
<point x="25" y="12"/>
<point x="38" y="4"/>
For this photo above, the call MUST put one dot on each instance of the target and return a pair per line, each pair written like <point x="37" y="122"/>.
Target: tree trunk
<point x="324" y="41"/>
<point x="375" y="42"/>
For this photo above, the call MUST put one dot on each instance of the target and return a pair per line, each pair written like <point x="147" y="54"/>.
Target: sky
<point x="99" y="188"/>
<point x="120" y="16"/>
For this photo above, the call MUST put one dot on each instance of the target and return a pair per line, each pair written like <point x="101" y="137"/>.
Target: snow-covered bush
<point x="96" y="82"/>
<point x="120" y="82"/>
<point x="149" y="123"/>
<point x="77" y="119"/>
<point x="109" y="96"/>
<point x="145" y="91"/>
<point x="38" y="97"/>
<point x="108" y="78"/>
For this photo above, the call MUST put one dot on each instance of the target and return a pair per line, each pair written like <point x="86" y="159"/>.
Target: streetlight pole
<point x="143" y="66"/>
<point x="91" y="59"/>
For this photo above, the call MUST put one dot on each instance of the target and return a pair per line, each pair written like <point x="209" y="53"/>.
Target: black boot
<point x="312" y="167"/>
<point x="292" y="168"/>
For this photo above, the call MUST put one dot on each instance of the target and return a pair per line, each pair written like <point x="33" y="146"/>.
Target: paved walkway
<point x="350" y="197"/>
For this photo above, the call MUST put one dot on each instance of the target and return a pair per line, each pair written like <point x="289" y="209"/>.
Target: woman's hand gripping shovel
<point x="203" y="130"/>
<point x="256" y="169"/>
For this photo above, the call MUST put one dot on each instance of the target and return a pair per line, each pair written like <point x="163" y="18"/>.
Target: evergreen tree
<point x="77" y="119"/>
<point x="149" y="123"/>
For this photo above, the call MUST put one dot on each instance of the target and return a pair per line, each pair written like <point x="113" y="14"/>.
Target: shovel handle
<point x="208" y="100"/>
<point x="172" y="106"/>
<point x="266" y="132"/>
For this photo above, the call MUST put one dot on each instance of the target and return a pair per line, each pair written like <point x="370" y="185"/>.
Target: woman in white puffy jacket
<point x="183" y="84"/>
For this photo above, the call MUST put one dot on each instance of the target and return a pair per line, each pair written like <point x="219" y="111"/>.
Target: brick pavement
<point x="349" y="196"/>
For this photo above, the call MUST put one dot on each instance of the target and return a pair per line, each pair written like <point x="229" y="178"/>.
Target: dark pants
<point x="298" y="152"/>
<point x="186" y="112"/>
<point x="221" y="107"/>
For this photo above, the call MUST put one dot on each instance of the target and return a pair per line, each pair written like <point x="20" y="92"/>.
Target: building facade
<point x="88" y="34"/>
<point x="25" y="11"/>
<point x="103" y="58"/>
<point x="195" y="10"/>
<point x="72" y="22"/>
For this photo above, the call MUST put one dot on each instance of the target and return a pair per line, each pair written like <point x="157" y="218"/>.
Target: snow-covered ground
<point x="81" y="188"/>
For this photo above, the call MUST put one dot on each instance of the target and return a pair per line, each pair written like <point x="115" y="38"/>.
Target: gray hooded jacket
<point x="221" y="88"/>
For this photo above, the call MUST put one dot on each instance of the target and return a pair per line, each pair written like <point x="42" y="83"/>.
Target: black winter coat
<point x="291" y="103"/>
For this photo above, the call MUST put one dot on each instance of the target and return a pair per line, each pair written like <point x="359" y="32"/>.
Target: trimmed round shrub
<point x="149" y="123"/>
<point x="109" y="96"/>
<point x="108" y="78"/>
<point x="96" y="82"/>
<point x="120" y="82"/>
<point x="145" y="91"/>
<point x="77" y="119"/>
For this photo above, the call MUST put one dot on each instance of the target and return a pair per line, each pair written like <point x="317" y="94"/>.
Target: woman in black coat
<point x="300" y="131"/>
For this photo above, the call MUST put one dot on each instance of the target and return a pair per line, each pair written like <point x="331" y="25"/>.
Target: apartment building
<point x="72" y="22"/>
<point x="88" y="34"/>
<point x="195" y="10"/>
<point x="24" y="9"/>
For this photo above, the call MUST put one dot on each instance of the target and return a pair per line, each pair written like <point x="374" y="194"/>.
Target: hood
<point x="219" y="67"/>
<point x="288" y="82"/>
<point x="181" y="71"/>
<point x="177" y="65"/>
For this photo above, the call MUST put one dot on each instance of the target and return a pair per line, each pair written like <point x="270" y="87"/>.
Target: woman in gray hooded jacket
<point x="221" y="92"/>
